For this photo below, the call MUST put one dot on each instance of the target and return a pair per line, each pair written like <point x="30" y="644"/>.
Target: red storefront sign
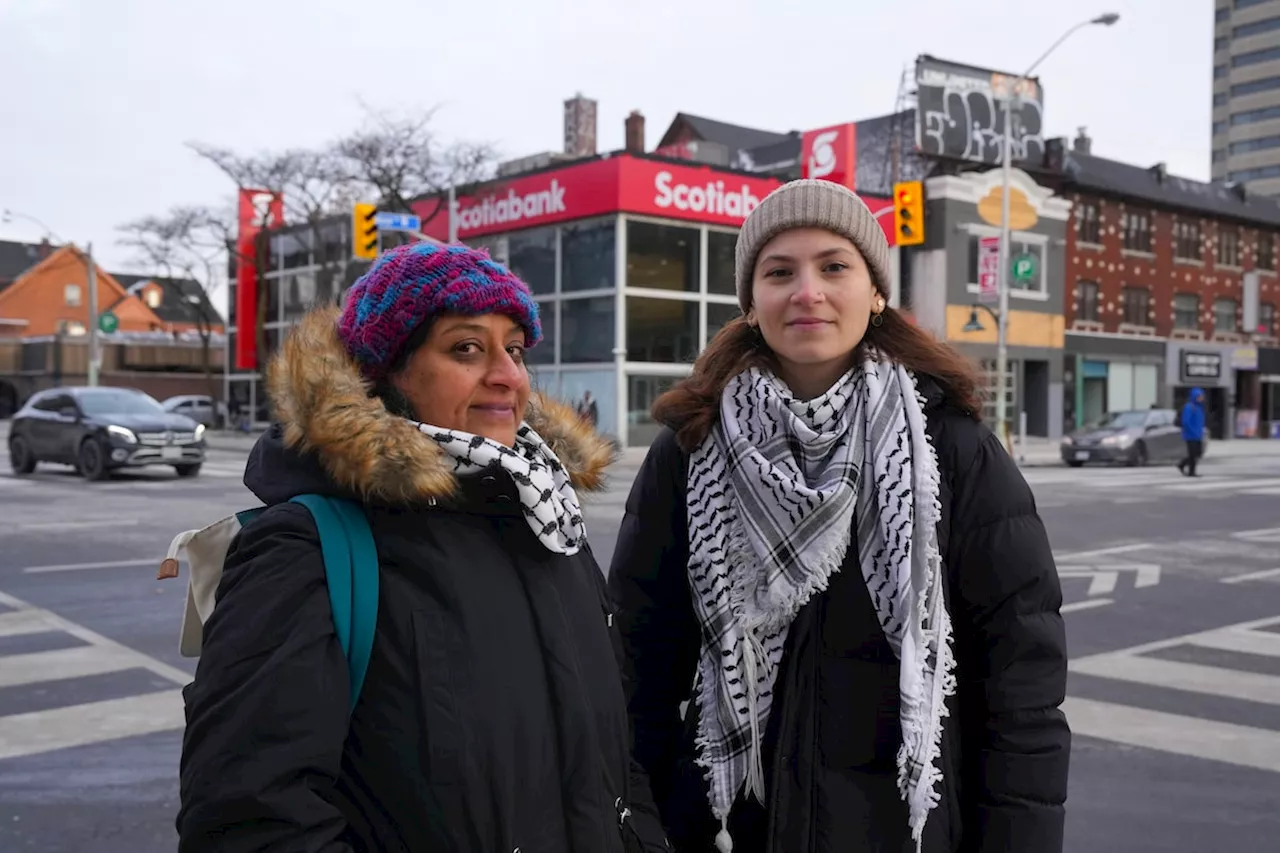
<point x="621" y="184"/>
<point x="258" y="209"/>
<point x="830" y="154"/>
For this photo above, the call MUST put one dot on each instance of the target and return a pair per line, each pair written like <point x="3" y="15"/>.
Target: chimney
<point x="44" y="249"/>
<point x="580" y="126"/>
<point x="635" y="132"/>
<point x="1082" y="144"/>
<point x="1161" y="171"/>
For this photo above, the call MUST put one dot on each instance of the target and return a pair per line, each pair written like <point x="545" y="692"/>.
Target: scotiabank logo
<point x="512" y="208"/>
<point x="711" y="197"/>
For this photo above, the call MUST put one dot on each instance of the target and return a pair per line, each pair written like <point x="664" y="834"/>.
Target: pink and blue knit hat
<point x="413" y="283"/>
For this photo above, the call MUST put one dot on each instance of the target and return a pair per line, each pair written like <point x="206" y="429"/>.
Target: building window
<point x="1137" y="232"/>
<point x="718" y="316"/>
<point x="1137" y="306"/>
<point x="1266" y="251"/>
<point x="295" y="249"/>
<point x="720" y="268"/>
<point x="586" y="259"/>
<point x="71" y="295"/>
<point x="1219" y="156"/>
<point x="1254" y="116"/>
<point x="299" y="294"/>
<point x="1224" y="316"/>
<point x="1087" y="300"/>
<point x="1266" y="25"/>
<point x="662" y="330"/>
<point x="1219" y="72"/>
<point x="1220" y="99"/>
<point x="1253" y="87"/>
<point x="1245" y="4"/>
<point x="532" y="256"/>
<point x="1186" y="240"/>
<point x="1088" y="226"/>
<point x="1219" y="127"/>
<point x="586" y="330"/>
<point x="1266" y="319"/>
<point x="1259" y="174"/>
<point x="642" y="393"/>
<point x="1220" y="42"/>
<point x="545" y="351"/>
<point x="662" y="257"/>
<point x="1253" y="57"/>
<point x="1262" y="143"/>
<point x="1220" y="15"/>
<point x="1036" y="284"/>
<point x="1228" y="247"/>
<point x="1186" y="311"/>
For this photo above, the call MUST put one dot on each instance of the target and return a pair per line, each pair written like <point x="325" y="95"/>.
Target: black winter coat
<point x="492" y="717"/>
<point x="831" y="741"/>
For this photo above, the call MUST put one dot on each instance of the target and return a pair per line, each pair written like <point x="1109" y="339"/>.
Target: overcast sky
<point x="99" y="96"/>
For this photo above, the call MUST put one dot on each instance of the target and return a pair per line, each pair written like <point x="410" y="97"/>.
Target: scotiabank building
<point x="631" y="259"/>
<point x="629" y="255"/>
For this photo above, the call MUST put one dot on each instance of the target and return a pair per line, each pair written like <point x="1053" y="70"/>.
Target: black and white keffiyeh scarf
<point x="774" y="494"/>
<point x="546" y="495"/>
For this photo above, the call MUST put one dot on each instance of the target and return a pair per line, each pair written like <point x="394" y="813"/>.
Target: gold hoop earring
<point x="877" y="319"/>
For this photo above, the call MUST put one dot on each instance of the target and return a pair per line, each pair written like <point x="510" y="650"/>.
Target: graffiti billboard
<point x="960" y="113"/>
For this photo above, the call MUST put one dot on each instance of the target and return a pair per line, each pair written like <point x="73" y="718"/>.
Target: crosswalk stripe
<point x="1246" y="642"/>
<point x="1208" y="485"/>
<point x="1209" y="739"/>
<point x="1188" y="677"/>
<point x="23" y="622"/>
<point x="63" y="663"/>
<point x="93" y="722"/>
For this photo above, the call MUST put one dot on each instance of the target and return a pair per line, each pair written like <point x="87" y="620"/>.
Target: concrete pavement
<point x="1173" y="612"/>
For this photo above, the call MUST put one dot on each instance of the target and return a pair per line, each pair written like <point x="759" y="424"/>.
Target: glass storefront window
<point x="272" y="287"/>
<point x="718" y="314"/>
<point x="587" y="251"/>
<point x="642" y="392"/>
<point x="586" y="330"/>
<point x="545" y="351"/>
<point x="720" y="247"/>
<point x="296" y="249"/>
<point x="662" y="257"/>
<point x="532" y="256"/>
<point x="661" y="330"/>
<point x="299" y="294"/>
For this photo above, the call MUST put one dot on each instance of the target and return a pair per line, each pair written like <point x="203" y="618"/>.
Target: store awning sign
<point x="1199" y="366"/>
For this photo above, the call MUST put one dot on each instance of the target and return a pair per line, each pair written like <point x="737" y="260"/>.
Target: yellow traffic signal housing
<point x="364" y="231"/>
<point x="908" y="213"/>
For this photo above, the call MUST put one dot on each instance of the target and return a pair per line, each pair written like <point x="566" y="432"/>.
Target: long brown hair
<point x="692" y="407"/>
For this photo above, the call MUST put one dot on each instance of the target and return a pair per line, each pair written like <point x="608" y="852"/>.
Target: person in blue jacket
<point x="1193" y="431"/>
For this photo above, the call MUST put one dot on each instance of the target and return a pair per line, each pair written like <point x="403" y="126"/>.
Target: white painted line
<point x="76" y="567"/>
<point x="1266" y="534"/>
<point x="1237" y="483"/>
<point x="1102" y="552"/>
<point x="10" y="481"/>
<point x="140" y="660"/>
<point x="1102" y="583"/>
<point x="94" y="722"/>
<point x="1263" y="643"/>
<point x="79" y="525"/>
<point x="39" y="667"/>
<point x="23" y="622"/>
<point x="1191" y="677"/>
<point x="1262" y="492"/>
<point x="1087" y="604"/>
<point x="1241" y="745"/>
<point x="1253" y="576"/>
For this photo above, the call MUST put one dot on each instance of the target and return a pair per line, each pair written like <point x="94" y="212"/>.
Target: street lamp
<point x="1002" y="276"/>
<point x="95" y="359"/>
<point x="974" y="324"/>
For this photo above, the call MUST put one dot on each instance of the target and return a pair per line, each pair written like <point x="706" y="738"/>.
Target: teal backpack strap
<point x="351" y="569"/>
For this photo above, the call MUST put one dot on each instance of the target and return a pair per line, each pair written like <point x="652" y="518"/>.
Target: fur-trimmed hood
<point x="323" y="407"/>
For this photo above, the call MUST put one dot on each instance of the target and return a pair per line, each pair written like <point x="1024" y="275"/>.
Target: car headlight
<point x="1118" y="440"/>
<point x="199" y="431"/>
<point x="122" y="434"/>
<point x="1067" y="441"/>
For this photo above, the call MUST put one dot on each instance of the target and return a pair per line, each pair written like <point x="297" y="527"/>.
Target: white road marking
<point x="1253" y="576"/>
<point x="76" y="567"/>
<point x="1105" y="577"/>
<point x="1087" y="604"/>
<point x="1266" y="534"/>
<point x="94" y="722"/>
<point x="1103" y="552"/>
<point x="1208" y="485"/>
<point x="23" y="622"/>
<point x="64" y="663"/>
<point x="79" y="525"/>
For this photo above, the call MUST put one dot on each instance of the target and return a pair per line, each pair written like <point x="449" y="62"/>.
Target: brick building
<point x="1171" y="284"/>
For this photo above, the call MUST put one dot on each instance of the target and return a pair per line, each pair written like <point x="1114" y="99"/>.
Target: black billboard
<point x="960" y="113"/>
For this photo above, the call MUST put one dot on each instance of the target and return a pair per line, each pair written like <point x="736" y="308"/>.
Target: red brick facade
<point x="1160" y="271"/>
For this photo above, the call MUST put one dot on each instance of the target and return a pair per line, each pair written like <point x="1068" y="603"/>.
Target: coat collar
<point x="323" y="406"/>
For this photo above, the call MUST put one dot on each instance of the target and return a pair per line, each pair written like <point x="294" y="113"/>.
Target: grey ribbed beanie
<point x="810" y="204"/>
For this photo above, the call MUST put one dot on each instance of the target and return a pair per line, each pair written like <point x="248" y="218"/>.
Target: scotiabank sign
<point x="618" y="184"/>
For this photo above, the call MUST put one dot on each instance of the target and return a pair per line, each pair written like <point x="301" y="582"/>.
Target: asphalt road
<point x="1173" y="591"/>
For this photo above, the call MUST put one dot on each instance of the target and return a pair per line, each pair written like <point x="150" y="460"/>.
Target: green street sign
<point x="1024" y="268"/>
<point x="108" y="323"/>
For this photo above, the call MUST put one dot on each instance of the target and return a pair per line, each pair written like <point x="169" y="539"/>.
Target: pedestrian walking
<point x="842" y="571"/>
<point x="1193" y="419"/>
<point x="492" y="716"/>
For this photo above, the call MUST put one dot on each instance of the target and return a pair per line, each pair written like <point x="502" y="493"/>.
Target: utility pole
<point x="94" y="357"/>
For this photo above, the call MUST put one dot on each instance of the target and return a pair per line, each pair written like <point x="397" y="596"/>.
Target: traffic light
<point x="908" y="213"/>
<point x="364" y="232"/>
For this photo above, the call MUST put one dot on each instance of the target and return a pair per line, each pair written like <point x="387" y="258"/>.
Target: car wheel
<point x="92" y="460"/>
<point x="187" y="470"/>
<point x="1138" y="456"/>
<point x="21" y="459"/>
<point x="1075" y="464"/>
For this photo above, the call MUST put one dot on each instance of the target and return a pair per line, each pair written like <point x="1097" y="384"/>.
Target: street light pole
<point x="1005" y="253"/>
<point x="94" y="362"/>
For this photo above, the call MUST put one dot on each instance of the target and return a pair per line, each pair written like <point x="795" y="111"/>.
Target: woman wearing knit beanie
<point x="841" y="571"/>
<point x="492" y="717"/>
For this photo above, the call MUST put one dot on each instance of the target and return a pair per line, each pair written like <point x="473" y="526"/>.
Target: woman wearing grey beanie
<point x="838" y="607"/>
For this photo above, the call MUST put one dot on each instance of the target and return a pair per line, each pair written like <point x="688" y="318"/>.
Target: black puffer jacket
<point x="492" y="717"/>
<point x="831" y="741"/>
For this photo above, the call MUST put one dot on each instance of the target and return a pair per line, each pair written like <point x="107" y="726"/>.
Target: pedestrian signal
<point x="364" y="231"/>
<point x="908" y="213"/>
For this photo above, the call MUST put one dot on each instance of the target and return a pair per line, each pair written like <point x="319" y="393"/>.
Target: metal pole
<point x="453" y="214"/>
<point x="94" y="361"/>
<point x="1002" y="275"/>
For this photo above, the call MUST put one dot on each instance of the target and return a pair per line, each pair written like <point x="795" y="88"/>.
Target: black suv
<point x="100" y="430"/>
